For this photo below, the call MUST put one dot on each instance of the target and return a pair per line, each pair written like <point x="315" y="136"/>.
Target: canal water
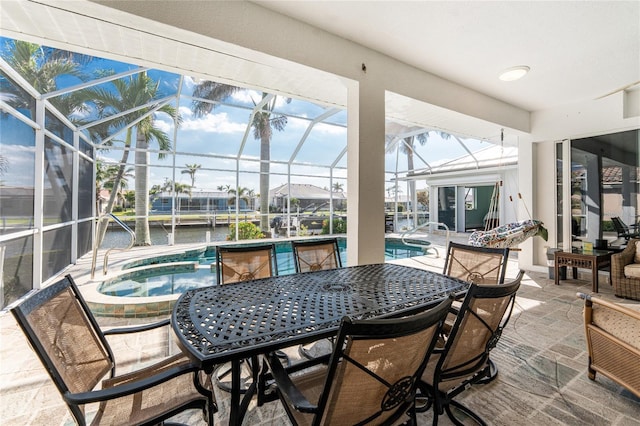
<point x="117" y="237"/>
<point x="160" y="235"/>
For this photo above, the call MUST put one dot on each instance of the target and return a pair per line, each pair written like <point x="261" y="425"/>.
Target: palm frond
<point x="211" y="91"/>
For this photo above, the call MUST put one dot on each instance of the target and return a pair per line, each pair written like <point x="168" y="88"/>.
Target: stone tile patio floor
<point x="541" y="358"/>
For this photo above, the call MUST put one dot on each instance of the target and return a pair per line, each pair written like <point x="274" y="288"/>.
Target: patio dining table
<point x="237" y="321"/>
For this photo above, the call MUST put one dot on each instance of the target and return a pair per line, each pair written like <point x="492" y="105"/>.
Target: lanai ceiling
<point x="577" y="50"/>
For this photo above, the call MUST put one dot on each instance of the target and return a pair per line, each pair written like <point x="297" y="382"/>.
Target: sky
<point x="215" y="141"/>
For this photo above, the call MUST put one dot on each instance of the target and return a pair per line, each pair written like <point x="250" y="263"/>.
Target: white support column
<point x="365" y="159"/>
<point x="566" y="195"/>
<point x="629" y="209"/>
<point x="460" y="209"/>
<point x="593" y="199"/>
<point x="75" y="191"/>
<point x="38" y="199"/>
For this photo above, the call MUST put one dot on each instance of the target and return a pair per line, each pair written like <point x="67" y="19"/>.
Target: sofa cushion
<point x="618" y="324"/>
<point x="636" y="256"/>
<point x="632" y="270"/>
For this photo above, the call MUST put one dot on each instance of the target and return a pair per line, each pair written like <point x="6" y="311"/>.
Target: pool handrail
<point x="426" y="245"/>
<point x="106" y="255"/>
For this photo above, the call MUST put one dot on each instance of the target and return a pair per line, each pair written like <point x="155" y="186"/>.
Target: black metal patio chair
<point x="316" y="255"/>
<point x="477" y="265"/>
<point x="464" y="358"/>
<point x="243" y="263"/>
<point x="74" y="350"/>
<point x="372" y="374"/>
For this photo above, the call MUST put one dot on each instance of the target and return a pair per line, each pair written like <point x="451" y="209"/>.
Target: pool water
<point x="162" y="276"/>
<point x="159" y="281"/>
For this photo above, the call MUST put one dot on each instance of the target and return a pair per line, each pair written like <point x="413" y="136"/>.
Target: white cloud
<point x="163" y="126"/>
<point x="214" y="123"/>
<point x="296" y="123"/>
<point x="254" y="97"/>
<point x="329" y="129"/>
<point x="188" y="83"/>
<point x="185" y="112"/>
<point x="247" y="96"/>
<point x="20" y="165"/>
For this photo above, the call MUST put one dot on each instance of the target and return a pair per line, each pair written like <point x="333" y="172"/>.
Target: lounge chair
<point x="623" y="230"/>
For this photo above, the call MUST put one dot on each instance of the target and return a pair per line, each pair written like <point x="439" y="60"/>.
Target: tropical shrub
<point x="339" y="226"/>
<point x="246" y="231"/>
<point x="303" y="230"/>
<point x="607" y="226"/>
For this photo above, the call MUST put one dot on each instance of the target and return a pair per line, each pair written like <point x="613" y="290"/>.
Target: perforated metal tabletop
<point x="221" y="323"/>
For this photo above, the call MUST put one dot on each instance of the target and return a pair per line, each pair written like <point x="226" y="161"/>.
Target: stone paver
<point x="541" y="359"/>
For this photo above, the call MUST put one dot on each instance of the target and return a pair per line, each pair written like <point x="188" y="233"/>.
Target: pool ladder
<point x="426" y="245"/>
<point x="106" y="255"/>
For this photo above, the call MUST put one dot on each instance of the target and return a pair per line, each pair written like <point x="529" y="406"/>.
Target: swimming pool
<point x="176" y="273"/>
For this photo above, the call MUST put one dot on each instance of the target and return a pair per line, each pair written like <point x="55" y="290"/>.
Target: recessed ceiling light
<point x="514" y="73"/>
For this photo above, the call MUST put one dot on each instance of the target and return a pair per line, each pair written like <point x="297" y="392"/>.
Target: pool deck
<point x="541" y="358"/>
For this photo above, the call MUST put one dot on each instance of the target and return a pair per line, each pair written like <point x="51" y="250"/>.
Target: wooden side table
<point x="592" y="259"/>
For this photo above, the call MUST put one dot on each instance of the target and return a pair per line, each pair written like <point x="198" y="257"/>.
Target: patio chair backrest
<point x="67" y="339"/>
<point x="478" y="265"/>
<point x="484" y="313"/>
<point x="316" y="255"/>
<point x="376" y="365"/>
<point x="244" y="263"/>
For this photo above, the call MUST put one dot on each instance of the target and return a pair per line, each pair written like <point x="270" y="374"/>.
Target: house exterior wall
<point x="508" y="200"/>
<point x="588" y="118"/>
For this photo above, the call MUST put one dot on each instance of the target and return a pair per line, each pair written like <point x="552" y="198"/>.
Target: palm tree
<point x="4" y="166"/>
<point x="243" y="194"/>
<point x="264" y="121"/>
<point x="170" y="186"/>
<point x="41" y="67"/>
<point x="129" y="93"/>
<point x="408" y="147"/>
<point x="191" y="169"/>
<point x="130" y="197"/>
<point x="109" y="181"/>
<point x="337" y="187"/>
<point x="179" y="188"/>
<point x="251" y="193"/>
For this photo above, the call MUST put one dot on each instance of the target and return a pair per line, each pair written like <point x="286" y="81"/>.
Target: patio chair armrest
<point x="287" y="387"/>
<point x="129" y="387"/>
<point x="137" y="329"/>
